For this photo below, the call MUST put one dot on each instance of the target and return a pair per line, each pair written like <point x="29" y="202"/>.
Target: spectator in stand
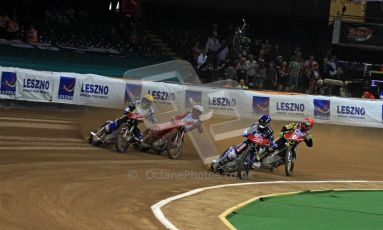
<point x="333" y="67"/>
<point x="250" y="73"/>
<point x="266" y="47"/>
<point x="276" y="52"/>
<point x="204" y="67"/>
<point x="297" y="53"/>
<point x="133" y="40"/>
<point x="202" y="58"/>
<point x="219" y="71"/>
<point x="295" y="70"/>
<point x="146" y="47"/>
<point x="4" y="19"/>
<point x="223" y="52"/>
<point x="271" y="77"/>
<point x="312" y="74"/>
<point x="325" y="70"/>
<point x="228" y="84"/>
<point x="278" y="62"/>
<point x="12" y="28"/>
<point x="242" y="85"/>
<point x="339" y="74"/>
<point x="196" y="51"/>
<point x="368" y="95"/>
<point x="261" y="57"/>
<point x="283" y="77"/>
<point x="212" y="43"/>
<point x="230" y="71"/>
<point x="241" y="68"/>
<point x="32" y="35"/>
<point x="260" y="76"/>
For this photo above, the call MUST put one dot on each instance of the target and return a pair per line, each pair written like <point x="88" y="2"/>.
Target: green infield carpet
<point x="352" y="209"/>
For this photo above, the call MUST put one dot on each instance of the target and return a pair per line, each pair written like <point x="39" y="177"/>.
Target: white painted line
<point x="156" y="208"/>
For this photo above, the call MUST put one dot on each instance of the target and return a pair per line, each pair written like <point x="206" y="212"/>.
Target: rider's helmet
<point x="198" y="108"/>
<point x="147" y="100"/>
<point x="306" y="124"/>
<point x="264" y="121"/>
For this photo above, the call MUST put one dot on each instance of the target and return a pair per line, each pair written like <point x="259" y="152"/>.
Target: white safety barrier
<point x="100" y="91"/>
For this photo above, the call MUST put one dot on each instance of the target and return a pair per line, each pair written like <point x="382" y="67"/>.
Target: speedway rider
<point x="303" y="126"/>
<point x="192" y="117"/>
<point x="262" y="127"/>
<point x="143" y="107"/>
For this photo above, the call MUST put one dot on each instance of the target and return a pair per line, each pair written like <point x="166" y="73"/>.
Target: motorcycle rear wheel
<point x="175" y="146"/>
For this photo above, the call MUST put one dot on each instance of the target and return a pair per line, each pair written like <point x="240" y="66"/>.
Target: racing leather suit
<point x="289" y="128"/>
<point x="254" y="128"/>
<point x="187" y="117"/>
<point x="135" y="108"/>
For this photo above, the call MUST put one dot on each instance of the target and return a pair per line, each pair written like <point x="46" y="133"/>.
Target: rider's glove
<point x="273" y="146"/>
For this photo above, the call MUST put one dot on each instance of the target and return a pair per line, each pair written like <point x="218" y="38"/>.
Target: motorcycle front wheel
<point x="289" y="161"/>
<point x="175" y="144"/>
<point x="98" y="135"/>
<point x="123" y="139"/>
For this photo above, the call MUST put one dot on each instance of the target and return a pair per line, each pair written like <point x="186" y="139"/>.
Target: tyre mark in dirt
<point x="49" y="148"/>
<point x="36" y="120"/>
<point x="36" y="125"/>
<point x="42" y="139"/>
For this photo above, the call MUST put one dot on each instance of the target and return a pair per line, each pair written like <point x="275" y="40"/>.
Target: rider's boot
<point x="256" y="164"/>
<point x="109" y="128"/>
<point x="138" y="136"/>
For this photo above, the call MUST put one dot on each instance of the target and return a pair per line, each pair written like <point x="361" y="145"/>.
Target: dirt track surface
<point x="50" y="178"/>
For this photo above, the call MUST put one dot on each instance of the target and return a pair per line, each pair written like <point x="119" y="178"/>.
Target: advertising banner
<point x="8" y="84"/>
<point x="221" y="101"/>
<point x="193" y="96"/>
<point x="100" y="91"/>
<point x="362" y="34"/>
<point x="290" y="108"/>
<point x="352" y="10"/>
<point x="8" y="80"/>
<point x="66" y="88"/>
<point x="133" y="90"/>
<point x="34" y="85"/>
<point x="355" y="112"/>
<point x="165" y="94"/>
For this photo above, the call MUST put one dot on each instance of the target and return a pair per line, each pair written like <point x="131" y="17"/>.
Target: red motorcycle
<point x="285" y="154"/>
<point x="125" y="135"/>
<point x="171" y="144"/>
<point x="240" y="158"/>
